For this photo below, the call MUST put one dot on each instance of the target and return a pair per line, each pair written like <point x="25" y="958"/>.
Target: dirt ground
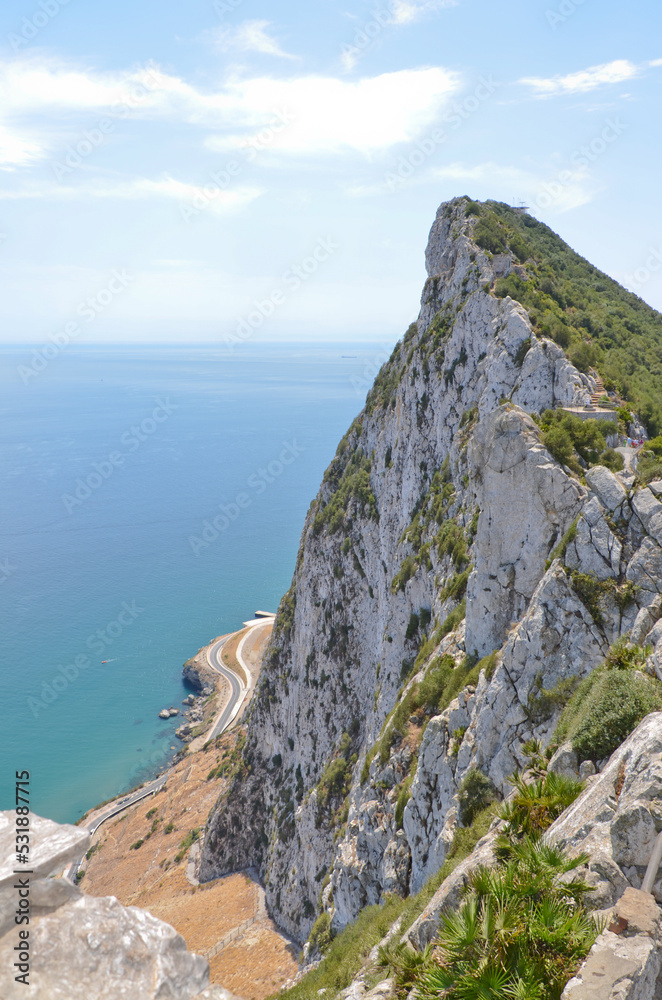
<point x="134" y="859"/>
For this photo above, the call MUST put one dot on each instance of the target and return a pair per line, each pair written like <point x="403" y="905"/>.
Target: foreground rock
<point x="617" y="818"/>
<point x="81" y="947"/>
<point x="625" y="961"/>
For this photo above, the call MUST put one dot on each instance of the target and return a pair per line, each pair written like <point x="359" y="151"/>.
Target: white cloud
<point x="16" y="150"/>
<point x="407" y="11"/>
<point x="393" y="14"/>
<point x="584" y="80"/>
<point x="220" y="202"/>
<point x="329" y="115"/>
<point x="250" y="36"/>
<point x="29" y="84"/>
<point x="326" y="113"/>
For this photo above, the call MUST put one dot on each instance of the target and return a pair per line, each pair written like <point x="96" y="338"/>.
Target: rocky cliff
<point x="454" y="583"/>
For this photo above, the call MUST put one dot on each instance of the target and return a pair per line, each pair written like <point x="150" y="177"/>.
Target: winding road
<point x="229" y="712"/>
<point x="237" y="688"/>
<point x="129" y="800"/>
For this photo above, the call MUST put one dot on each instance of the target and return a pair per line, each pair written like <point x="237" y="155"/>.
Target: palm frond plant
<point x="404" y="964"/>
<point x="521" y="930"/>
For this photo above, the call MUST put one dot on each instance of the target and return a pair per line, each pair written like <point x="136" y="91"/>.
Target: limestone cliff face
<point x="441" y="486"/>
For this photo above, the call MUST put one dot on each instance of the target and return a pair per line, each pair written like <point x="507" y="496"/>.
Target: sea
<point x="152" y="498"/>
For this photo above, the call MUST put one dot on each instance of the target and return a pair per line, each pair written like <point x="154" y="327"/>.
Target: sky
<point x="230" y="170"/>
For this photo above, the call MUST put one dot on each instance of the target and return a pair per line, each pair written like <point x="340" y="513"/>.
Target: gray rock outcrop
<point x="199" y="674"/>
<point x="81" y="947"/>
<point x="528" y="503"/>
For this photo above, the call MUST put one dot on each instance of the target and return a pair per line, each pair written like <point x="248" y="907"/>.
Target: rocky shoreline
<point x="194" y="714"/>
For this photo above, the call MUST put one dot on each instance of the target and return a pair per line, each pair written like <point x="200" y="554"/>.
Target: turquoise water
<point x="115" y="462"/>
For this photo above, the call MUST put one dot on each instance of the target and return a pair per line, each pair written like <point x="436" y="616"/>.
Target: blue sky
<point x="234" y="169"/>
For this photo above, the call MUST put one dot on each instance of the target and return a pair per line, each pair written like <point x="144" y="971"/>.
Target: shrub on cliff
<point x="536" y="804"/>
<point x="320" y="936"/>
<point x="605" y="709"/>
<point x="609" y="703"/>
<point x="649" y="462"/>
<point x="476" y="792"/>
<point x="520" y="932"/>
<point x="568" y="438"/>
<point x="612" y="460"/>
<point x="186" y="843"/>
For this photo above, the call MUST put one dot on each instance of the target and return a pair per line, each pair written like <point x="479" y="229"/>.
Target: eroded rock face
<point x="81" y="947"/>
<point x="527" y="503"/>
<point x="558" y="641"/>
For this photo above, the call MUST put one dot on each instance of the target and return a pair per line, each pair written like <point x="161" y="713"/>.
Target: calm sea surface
<point x="114" y="463"/>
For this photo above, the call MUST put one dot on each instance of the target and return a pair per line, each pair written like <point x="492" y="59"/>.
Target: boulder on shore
<point x="199" y="674"/>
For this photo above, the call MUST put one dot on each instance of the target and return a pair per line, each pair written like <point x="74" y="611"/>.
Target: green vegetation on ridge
<point x="593" y="318"/>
